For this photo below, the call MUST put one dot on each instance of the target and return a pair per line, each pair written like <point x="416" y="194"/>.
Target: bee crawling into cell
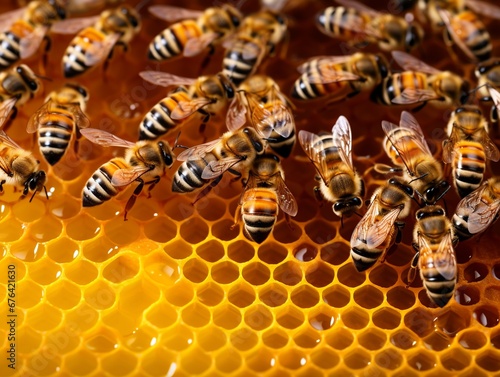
<point x="144" y="162"/>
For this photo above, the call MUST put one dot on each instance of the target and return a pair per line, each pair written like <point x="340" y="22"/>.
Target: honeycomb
<point x="174" y="291"/>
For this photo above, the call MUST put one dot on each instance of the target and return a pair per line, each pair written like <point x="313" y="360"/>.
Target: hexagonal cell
<point x="452" y="321"/>
<point x="210" y="294"/>
<point x="260" y="360"/>
<point x="355" y="318"/>
<point x="472" y="339"/>
<point x="288" y="273"/>
<point x="475" y="272"/>
<point x="63" y="250"/>
<point x="307" y="338"/>
<point x="125" y="232"/>
<point x="305" y="252"/>
<point x="178" y="337"/>
<point x="494" y="339"/>
<point x="227" y="316"/>
<point x="140" y="340"/>
<point x="179" y="209"/>
<point x="319" y="274"/>
<point x="357" y="359"/>
<point x="349" y="276"/>
<point x="491" y="292"/>
<point x="100" y="295"/>
<point x="486" y="315"/>
<point x="224" y="231"/>
<point x="368" y="297"/>
<point x="489" y="360"/>
<point x="27" y="250"/>
<point x="273" y="295"/>
<point x="496" y="271"/>
<point x="102" y="341"/>
<point x="180" y="293"/>
<point x="400" y="255"/>
<point x="228" y="361"/>
<point x="256" y="273"/>
<point x="467" y="295"/>
<point x="422" y="360"/>
<point x="81" y="363"/>
<point x="437" y="341"/>
<point x="340" y="338"/>
<point x="240" y="251"/>
<point x="32" y="340"/>
<point x="214" y="211"/>
<point x="99" y="250"/>
<point x="179" y="249"/>
<point x="194" y="230"/>
<point x="386" y="318"/>
<point x="322" y="318"/>
<point x="455" y="359"/>
<point x="119" y="363"/>
<point x="389" y="358"/>
<point x="195" y="270"/>
<point x="244" y="339"/>
<point x="161" y="314"/>
<point x="44" y="317"/>
<point x="82" y="227"/>
<point x="45" y="272"/>
<point x="161" y="268"/>
<point x="292" y="358"/>
<point x="304" y="296"/>
<point x="290" y="317"/>
<point x="195" y="315"/>
<point x="403" y="339"/>
<point x="272" y="253"/>
<point x="138" y="295"/>
<point x="45" y="229"/>
<point x="64" y="295"/>
<point x="319" y="231"/>
<point x="225" y="272"/>
<point x="372" y="339"/>
<point x="211" y="338"/>
<point x="211" y="251"/>
<point x="335" y="253"/>
<point x="383" y="275"/>
<point x="287" y="232"/>
<point x="241" y="295"/>
<point x="195" y="361"/>
<point x="401" y="298"/>
<point x="420" y="321"/>
<point x="158" y="361"/>
<point x="258" y="317"/>
<point x="325" y="358"/>
<point x="275" y="338"/>
<point x="336" y="296"/>
<point x="463" y="253"/>
<point x="29" y="211"/>
<point x="122" y="268"/>
<point x="64" y="207"/>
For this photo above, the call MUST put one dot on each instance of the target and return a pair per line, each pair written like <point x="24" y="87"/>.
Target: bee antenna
<point x="341" y="221"/>
<point x="180" y="146"/>
<point x="358" y="214"/>
<point x="176" y="140"/>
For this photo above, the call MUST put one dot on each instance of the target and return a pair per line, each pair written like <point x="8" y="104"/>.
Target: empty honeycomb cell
<point x="383" y="275"/>
<point x="227" y="316"/>
<point x="486" y="315"/>
<point x="178" y="337"/>
<point x="368" y="297"/>
<point x="489" y="360"/>
<point x="472" y="339"/>
<point x="224" y="231"/>
<point x="475" y="272"/>
<point x="273" y="295"/>
<point x="82" y="227"/>
<point x="422" y="360"/>
<point x="46" y="363"/>
<point x="119" y="363"/>
<point x="140" y="339"/>
<point x="160" y="267"/>
<point x="319" y="275"/>
<point x="100" y="295"/>
<point x="228" y="361"/>
<point x="305" y="252"/>
<point x="400" y="255"/>
<point x="258" y="317"/>
<point x="357" y="359"/>
<point x="308" y="209"/>
<point x="325" y="358"/>
<point x="437" y="341"/>
<point x="11" y="230"/>
<point x="468" y="295"/>
<point x="420" y="321"/>
<point x="319" y="231"/>
<point x="81" y="363"/>
<point x="193" y="230"/>
<point x="195" y="315"/>
<point x="180" y="293"/>
<point x="27" y="250"/>
<point x="214" y="211"/>
<point x="143" y="210"/>
<point x="178" y="249"/>
<point x="287" y="231"/>
<point x="261" y="359"/>
<point x="335" y="253"/>
<point x="275" y="338"/>
<point x="463" y="253"/>
<point x="64" y="295"/>
<point x="289" y="317"/>
<point x="211" y="251"/>
<point x="372" y="339"/>
<point x="225" y="272"/>
<point x="401" y="298"/>
<point x="452" y="321"/>
<point x="455" y="359"/>
<point x="244" y="339"/>
<point x="161" y="229"/>
<point x="307" y="338"/>
<point x="122" y="268"/>
<point x="292" y="358"/>
<point x="99" y="250"/>
<point x="403" y="339"/>
<point x="138" y="295"/>
<point x="389" y="358"/>
<point x="45" y="229"/>
<point x="349" y="276"/>
<point x="158" y="361"/>
<point x="63" y="250"/>
<point x="322" y="318"/>
<point x="179" y="209"/>
<point x="82" y="318"/>
<point x="386" y="318"/>
<point x="305" y="296"/>
<point x="240" y="251"/>
<point x="241" y="295"/>
<point x="45" y="271"/>
<point x="44" y="317"/>
<point x="288" y="273"/>
<point x="195" y="361"/>
<point x="272" y="253"/>
<point x="27" y="211"/>
<point x="336" y="296"/>
<point x="32" y="340"/>
<point x="256" y="273"/>
<point x="64" y="339"/>
<point x="195" y="270"/>
<point x="210" y="294"/>
<point x="211" y="338"/>
<point x="355" y="318"/>
<point x="161" y="314"/>
<point x="124" y="232"/>
<point x="474" y="372"/>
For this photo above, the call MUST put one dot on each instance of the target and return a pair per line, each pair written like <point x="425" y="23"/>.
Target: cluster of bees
<point x="259" y="117"/>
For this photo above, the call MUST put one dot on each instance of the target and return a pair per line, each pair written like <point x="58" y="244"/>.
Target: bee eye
<point x="280" y="19"/>
<point x="459" y="110"/>
<point x="356" y="201"/>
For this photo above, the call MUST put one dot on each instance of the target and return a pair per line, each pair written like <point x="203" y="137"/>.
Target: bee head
<point x="59" y="7"/>
<point x="166" y="154"/>
<point x="347" y="207"/>
<point x="28" y="77"/>
<point x="35" y="183"/>
<point x="436" y="192"/>
<point x="413" y="37"/>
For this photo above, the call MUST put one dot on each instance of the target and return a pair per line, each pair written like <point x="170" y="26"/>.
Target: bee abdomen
<point x="330" y="20"/>
<point x="98" y="188"/>
<point x="469" y="166"/>
<point x="171" y="41"/>
<point x="259" y="214"/>
<point x="54" y="137"/>
<point x="460" y="227"/>
<point x="187" y="178"/>
<point x="236" y="66"/>
<point x="9" y="49"/>
<point x="283" y="146"/>
<point x="363" y="258"/>
<point x="439" y="289"/>
<point x="75" y="56"/>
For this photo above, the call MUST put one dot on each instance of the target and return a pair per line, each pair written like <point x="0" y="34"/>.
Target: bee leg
<point x="412" y="272"/>
<point x="1" y="185"/>
<point x="10" y="119"/>
<point x="207" y="58"/>
<point x="207" y="189"/>
<point x="399" y="235"/>
<point x="131" y="200"/>
<point x="45" y="56"/>
<point x="237" y="215"/>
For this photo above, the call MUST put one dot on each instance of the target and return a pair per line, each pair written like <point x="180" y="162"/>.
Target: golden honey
<point x="174" y="291"/>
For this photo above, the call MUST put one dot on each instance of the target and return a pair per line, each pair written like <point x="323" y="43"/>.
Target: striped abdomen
<point x="259" y="210"/>
<point x="75" y="59"/>
<point x="468" y="166"/>
<point x="460" y="224"/>
<point x="10" y="42"/>
<point x="283" y="146"/>
<point x="157" y="121"/>
<point x="241" y="59"/>
<point x="333" y="21"/>
<point x="471" y="30"/>
<point x="171" y="41"/>
<point x="365" y="257"/>
<point x="403" y="140"/>
<point x="394" y="84"/>
<point x="187" y="178"/>
<point x="98" y="188"/>
<point x="439" y="289"/>
<point x="54" y="134"/>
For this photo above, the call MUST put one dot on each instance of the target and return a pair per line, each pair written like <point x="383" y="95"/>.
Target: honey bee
<point x="420" y="83"/>
<point x="331" y="155"/>
<point x="406" y="147"/>
<point x="434" y="239"/>
<point x="468" y="148"/>
<point x="265" y="192"/>
<point x="354" y="21"/>
<point x="23" y="30"/>
<point x="20" y="168"/>
<point x="258" y="36"/>
<point x="260" y="99"/>
<point x="204" y="164"/>
<point x="381" y="225"/>
<point x="197" y="30"/>
<point x="62" y="114"/>
<point x="478" y="210"/>
<point x="204" y="96"/>
<point x="144" y="162"/>
<point x="96" y="38"/>
<point x="488" y="76"/>
<point x="339" y="77"/>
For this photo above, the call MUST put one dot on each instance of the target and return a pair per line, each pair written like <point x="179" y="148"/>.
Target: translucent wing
<point x="322" y="60"/>
<point x="35" y="122"/>
<point x="5" y="109"/>
<point x="359" y="6"/>
<point x="194" y="46"/>
<point x="329" y="75"/>
<point x="81" y="119"/>
<point x="124" y="177"/>
<point x="444" y="258"/>
<point x="342" y="139"/>
<point x="31" y="42"/>
<point x="166" y="79"/>
<point x="98" y="52"/>
<point x="457" y="27"/>
<point x="449" y="145"/>
<point x="218" y="167"/>
<point x="286" y="200"/>
<point x="197" y="152"/>
<point x="410" y="96"/>
<point x="483" y="214"/>
<point x="8" y="141"/>
<point x="73" y="25"/>
<point x="315" y="150"/>
<point x="410" y="63"/>
<point x="105" y="139"/>
<point x="408" y="121"/>
<point x="490" y="149"/>
<point x="172" y="13"/>
<point x="266" y="119"/>
<point x="495" y="96"/>
<point x="236" y="114"/>
<point x="273" y="5"/>
<point x="185" y="109"/>
<point x="8" y="18"/>
<point x="484" y="8"/>
<point x="380" y="230"/>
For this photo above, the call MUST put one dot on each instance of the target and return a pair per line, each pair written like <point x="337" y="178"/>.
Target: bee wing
<point x="34" y="122"/>
<point x="464" y="28"/>
<point x="444" y="258"/>
<point x="31" y="42"/>
<point x="408" y="121"/>
<point x="359" y="6"/>
<point x="273" y="5"/>
<point x="124" y="177"/>
<point x="330" y="75"/>
<point x="410" y="96"/>
<point x="279" y="118"/>
<point x="73" y="25"/>
<point x="98" y="52"/>
<point x="326" y="60"/>
<point x="187" y="108"/>
<point x="4" y="138"/>
<point x="286" y="200"/>
<point x="314" y="149"/>
<point x="197" y="152"/>
<point x="449" y="146"/>
<point x="490" y="149"/>
<point x="483" y="214"/>
<point x="378" y="232"/>
<point x="495" y="96"/>
<point x="166" y="79"/>
<point x="410" y="63"/>
<point x="171" y="13"/>
<point x="5" y="109"/>
<point x="194" y="46"/>
<point x="81" y="119"/>
<point x="218" y="167"/>
<point x="236" y="113"/>
<point x="342" y="138"/>
<point x="105" y="139"/>
<point x="8" y="18"/>
<point x="483" y="8"/>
